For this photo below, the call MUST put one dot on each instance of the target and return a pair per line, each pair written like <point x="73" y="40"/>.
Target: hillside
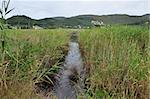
<point x="82" y="20"/>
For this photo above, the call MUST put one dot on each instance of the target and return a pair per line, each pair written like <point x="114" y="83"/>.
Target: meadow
<point x="115" y="57"/>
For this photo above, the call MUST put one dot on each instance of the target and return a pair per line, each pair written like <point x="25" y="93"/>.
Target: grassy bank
<point x="25" y="52"/>
<point x="117" y="62"/>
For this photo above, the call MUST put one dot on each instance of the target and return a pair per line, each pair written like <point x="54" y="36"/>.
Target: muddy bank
<point x="48" y="69"/>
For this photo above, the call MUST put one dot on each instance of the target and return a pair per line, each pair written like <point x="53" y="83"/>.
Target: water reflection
<point x="70" y="78"/>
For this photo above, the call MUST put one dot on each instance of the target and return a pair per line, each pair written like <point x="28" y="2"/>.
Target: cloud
<point x="80" y="0"/>
<point x="50" y="8"/>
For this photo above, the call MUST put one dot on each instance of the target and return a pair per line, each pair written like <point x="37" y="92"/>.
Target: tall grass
<point x="119" y="62"/>
<point x="116" y="58"/>
<point x="24" y="56"/>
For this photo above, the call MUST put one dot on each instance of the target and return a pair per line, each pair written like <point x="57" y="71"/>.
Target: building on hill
<point x="97" y="23"/>
<point x="37" y="27"/>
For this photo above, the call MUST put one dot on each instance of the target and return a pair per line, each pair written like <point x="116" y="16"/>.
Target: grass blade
<point x="9" y="11"/>
<point x="6" y="8"/>
<point x="1" y="11"/>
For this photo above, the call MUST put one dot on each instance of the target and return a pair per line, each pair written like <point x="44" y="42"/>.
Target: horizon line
<point x="80" y="15"/>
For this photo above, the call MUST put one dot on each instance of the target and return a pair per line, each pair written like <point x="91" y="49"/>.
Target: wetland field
<point x="115" y="58"/>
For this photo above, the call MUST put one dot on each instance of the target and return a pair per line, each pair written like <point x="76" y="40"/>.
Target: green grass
<point x="118" y="62"/>
<point x="25" y="52"/>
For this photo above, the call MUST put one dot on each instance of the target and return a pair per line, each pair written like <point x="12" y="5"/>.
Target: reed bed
<point x="117" y="62"/>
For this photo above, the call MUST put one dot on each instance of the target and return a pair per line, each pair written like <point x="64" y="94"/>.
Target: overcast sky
<point x="51" y="8"/>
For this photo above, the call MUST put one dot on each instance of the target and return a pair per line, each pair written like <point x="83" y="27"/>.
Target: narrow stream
<point x="71" y="76"/>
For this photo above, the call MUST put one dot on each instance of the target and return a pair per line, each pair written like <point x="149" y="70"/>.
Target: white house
<point x="97" y="23"/>
<point x="37" y="27"/>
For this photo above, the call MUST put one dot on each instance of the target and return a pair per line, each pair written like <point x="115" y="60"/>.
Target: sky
<point x="39" y="9"/>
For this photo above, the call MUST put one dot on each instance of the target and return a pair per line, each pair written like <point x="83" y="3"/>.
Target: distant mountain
<point x="81" y="20"/>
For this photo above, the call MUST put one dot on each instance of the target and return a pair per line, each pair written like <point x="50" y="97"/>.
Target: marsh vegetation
<point x="116" y="61"/>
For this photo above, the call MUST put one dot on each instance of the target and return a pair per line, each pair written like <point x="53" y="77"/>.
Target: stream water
<point x="70" y="80"/>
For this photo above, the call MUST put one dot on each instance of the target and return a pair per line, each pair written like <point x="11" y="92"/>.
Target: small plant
<point x="3" y="12"/>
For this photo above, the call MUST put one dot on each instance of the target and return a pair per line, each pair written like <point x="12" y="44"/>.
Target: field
<point x="115" y="57"/>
